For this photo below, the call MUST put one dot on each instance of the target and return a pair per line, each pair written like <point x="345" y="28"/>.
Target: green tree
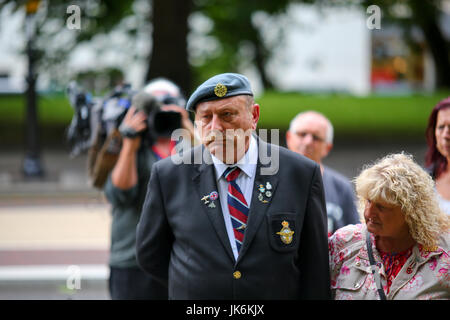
<point x="166" y="24"/>
<point x="233" y="26"/>
<point x="168" y="18"/>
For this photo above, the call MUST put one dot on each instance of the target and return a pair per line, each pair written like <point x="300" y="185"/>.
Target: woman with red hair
<point x="438" y="153"/>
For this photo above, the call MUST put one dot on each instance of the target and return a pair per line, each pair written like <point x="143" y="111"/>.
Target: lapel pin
<point x="264" y="191"/>
<point x="261" y="198"/>
<point x="213" y="195"/>
<point x="205" y="199"/>
<point x="210" y="197"/>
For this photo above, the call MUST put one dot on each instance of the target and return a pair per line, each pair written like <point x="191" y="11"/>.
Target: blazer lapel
<point x="205" y="182"/>
<point x="260" y="201"/>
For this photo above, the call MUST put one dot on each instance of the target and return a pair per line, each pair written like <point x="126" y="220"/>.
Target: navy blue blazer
<point x="183" y="243"/>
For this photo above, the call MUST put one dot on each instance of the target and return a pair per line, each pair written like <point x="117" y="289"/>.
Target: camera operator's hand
<point x="132" y="124"/>
<point x="124" y="174"/>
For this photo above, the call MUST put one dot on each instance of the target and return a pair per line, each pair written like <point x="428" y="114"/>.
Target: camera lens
<point x="166" y="121"/>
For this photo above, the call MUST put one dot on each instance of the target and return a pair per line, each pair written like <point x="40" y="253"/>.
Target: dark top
<point x="126" y="210"/>
<point x="340" y="200"/>
<point x="182" y="242"/>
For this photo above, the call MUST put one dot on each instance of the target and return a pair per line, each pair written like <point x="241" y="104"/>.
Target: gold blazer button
<point x="237" y="275"/>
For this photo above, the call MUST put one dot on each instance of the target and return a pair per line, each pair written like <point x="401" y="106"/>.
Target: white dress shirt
<point x="245" y="181"/>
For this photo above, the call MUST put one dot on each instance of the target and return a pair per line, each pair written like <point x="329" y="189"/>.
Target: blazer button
<point x="237" y="275"/>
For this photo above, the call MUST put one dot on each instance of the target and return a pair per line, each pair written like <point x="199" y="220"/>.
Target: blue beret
<point x="218" y="87"/>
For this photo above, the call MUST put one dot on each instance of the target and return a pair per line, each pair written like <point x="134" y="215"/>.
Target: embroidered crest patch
<point x="286" y="234"/>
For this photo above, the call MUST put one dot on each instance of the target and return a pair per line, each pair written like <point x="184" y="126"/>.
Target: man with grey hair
<point x="311" y="134"/>
<point x="222" y="228"/>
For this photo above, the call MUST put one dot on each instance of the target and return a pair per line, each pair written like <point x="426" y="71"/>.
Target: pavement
<point x="54" y="231"/>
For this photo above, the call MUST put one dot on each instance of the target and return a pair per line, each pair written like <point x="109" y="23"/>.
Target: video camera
<point x="96" y="124"/>
<point x="159" y="123"/>
<point x="96" y="118"/>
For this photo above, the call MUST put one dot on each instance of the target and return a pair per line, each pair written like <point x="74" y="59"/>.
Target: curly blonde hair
<point x="396" y="179"/>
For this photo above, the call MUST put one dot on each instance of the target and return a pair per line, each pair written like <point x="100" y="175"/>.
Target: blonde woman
<point x="402" y="249"/>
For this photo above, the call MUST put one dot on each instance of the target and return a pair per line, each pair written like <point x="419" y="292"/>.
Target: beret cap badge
<point x="220" y="90"/>
<point x="220" y="86"/>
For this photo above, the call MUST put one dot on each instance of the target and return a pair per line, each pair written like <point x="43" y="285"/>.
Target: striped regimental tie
<point x="237" y="205"/>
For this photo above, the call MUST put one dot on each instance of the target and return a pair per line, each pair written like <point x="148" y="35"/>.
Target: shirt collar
<point x="247" y="163"/>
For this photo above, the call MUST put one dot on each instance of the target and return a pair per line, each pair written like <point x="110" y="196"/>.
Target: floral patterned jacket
<point x="425" y="275"/>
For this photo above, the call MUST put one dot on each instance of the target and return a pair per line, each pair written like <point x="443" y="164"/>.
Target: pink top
<point x="393" y="263"/>
<point x="418" y="274"/>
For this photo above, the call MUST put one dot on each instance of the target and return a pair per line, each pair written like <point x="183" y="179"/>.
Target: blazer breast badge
<point x="286" y="234"/>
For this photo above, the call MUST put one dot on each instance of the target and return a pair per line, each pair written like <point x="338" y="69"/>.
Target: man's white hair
<point x="330" y="130"/>
<point x="163" y="85"/>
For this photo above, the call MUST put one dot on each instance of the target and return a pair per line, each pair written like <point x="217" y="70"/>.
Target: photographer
<point x="145" y="132"/>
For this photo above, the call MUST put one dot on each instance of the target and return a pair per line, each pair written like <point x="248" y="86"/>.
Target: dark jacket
<point x="183" y="243"/>
<point x="126" y="207"/>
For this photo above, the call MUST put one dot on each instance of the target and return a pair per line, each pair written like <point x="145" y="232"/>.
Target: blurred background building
<point x="313" y="48"/>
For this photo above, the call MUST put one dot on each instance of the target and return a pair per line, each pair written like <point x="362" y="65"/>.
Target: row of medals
<point x="263" y="191"/>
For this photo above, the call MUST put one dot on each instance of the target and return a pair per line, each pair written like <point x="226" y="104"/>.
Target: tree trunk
<point x="261" y="56"/>
<point x="169" y="56"/>
<point x="426" y="17"/>
<point x="260" y="62"/>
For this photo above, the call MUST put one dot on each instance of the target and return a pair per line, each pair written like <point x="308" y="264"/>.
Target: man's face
<point x="225" y="126"/>
<point x="308" y="137"/>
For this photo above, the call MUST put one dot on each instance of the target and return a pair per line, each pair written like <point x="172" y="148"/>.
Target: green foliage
<point x="233" y="27"/>
<point x="379" y="116"/>
<point x="52" y="110"/>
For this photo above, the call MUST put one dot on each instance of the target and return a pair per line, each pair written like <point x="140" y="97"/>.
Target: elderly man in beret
<point x="225" y="228"/>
